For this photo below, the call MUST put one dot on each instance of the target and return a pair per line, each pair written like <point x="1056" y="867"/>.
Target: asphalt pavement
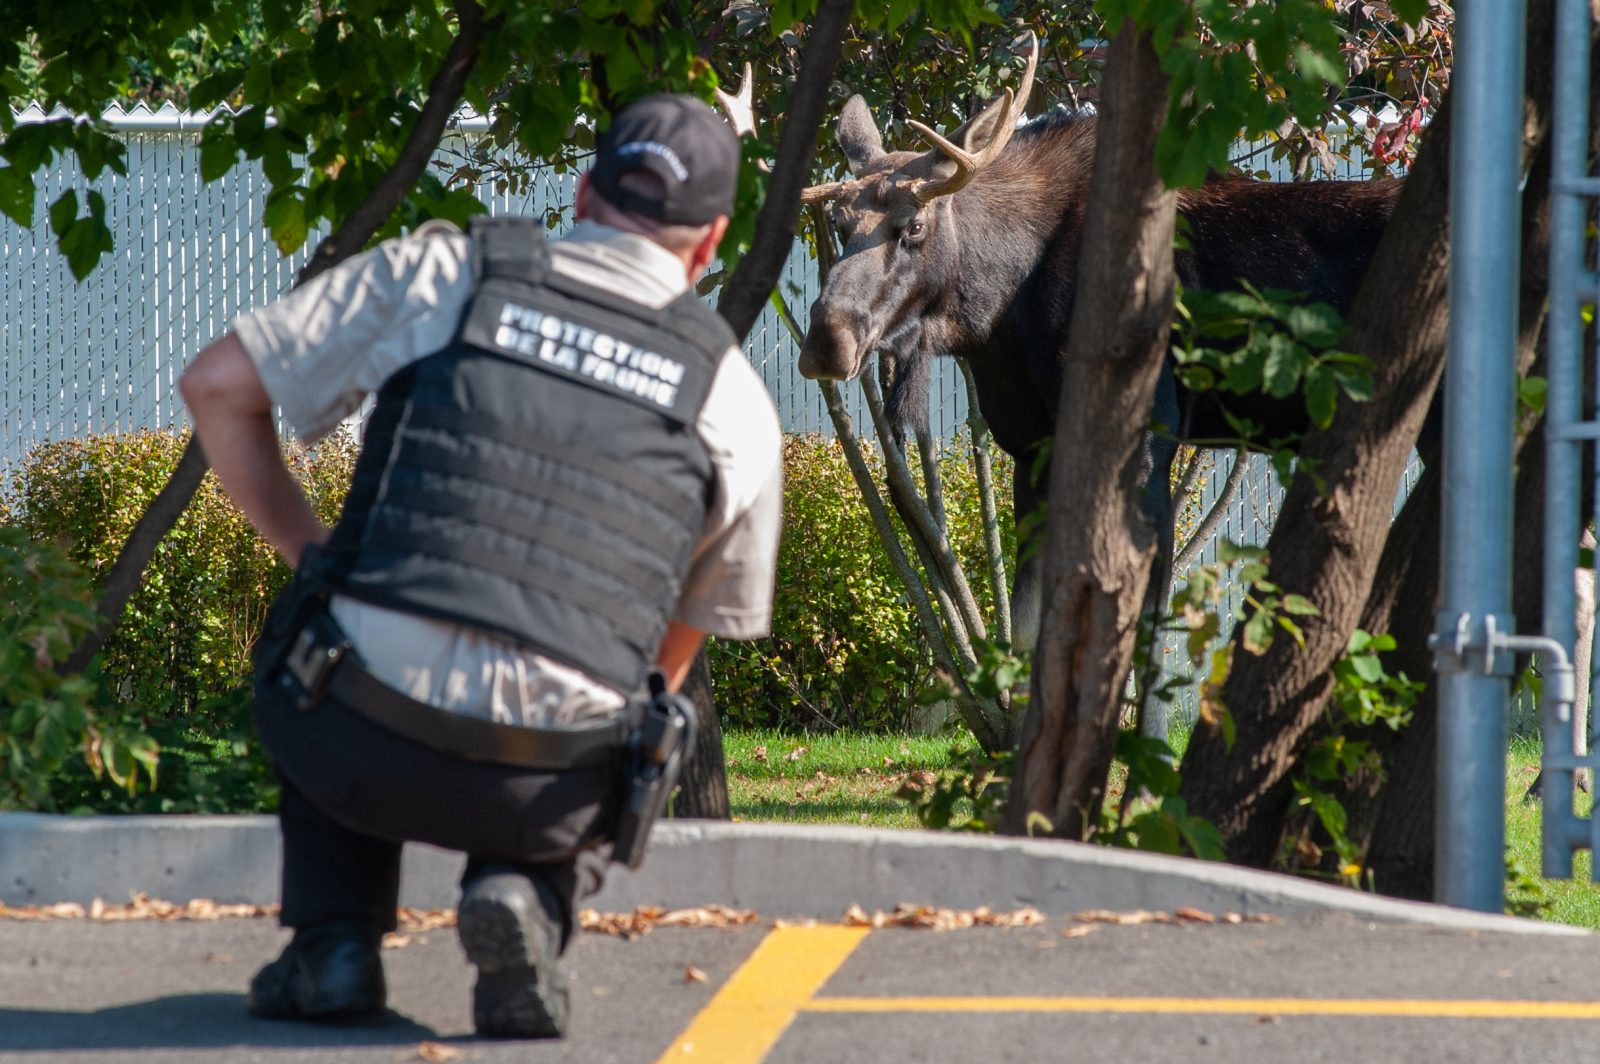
<point x="1327" y="987"/>
<point x="1118" y="957"/>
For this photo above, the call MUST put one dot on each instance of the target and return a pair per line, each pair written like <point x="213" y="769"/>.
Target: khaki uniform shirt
<point x="326" y="346"/>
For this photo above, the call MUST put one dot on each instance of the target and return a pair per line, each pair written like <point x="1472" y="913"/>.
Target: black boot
<point x="513" y="936"/>
<point x="328" y="971"/>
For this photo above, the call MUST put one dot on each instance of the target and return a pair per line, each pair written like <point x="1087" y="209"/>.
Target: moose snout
<point x="831" y="350"/>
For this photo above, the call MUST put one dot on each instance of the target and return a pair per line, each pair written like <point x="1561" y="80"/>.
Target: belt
<point x="322" y="662"/>
<point x="552" y="749"/>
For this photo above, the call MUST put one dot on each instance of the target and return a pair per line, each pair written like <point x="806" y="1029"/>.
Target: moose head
<point x="896" y="287"/>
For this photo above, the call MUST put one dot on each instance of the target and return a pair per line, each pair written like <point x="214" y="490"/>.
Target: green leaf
<point x="1300" y="606"/>
<point x="1367" y="667"/>
<point x="285" y="217"/>
<point x="1284" y="363"/>
<point x="219" y="151"/>
<point x="898" y="11"/>
<point x="63" y="212"/>
<point x="1258" y="632"/>
<point x="1316" y="325"/>
<point x="1413" y="11"/>
<point x="1322" y="395"/>
<point x="17" y="195"/>
<point x="1356" y="384"/>
<point x="1532" y="390"/>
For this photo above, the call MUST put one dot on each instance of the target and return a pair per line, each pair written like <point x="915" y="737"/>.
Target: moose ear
<point x="857" y="135"/>
<point x="982" y="127"/>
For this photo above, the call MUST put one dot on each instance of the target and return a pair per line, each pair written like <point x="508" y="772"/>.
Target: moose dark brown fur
<point x="977" y="257"/>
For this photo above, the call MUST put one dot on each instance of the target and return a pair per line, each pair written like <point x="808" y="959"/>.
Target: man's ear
<point x="706" y="250"/>
<point x="580" y="205"/>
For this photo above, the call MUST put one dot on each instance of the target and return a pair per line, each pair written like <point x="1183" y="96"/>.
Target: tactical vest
<point x="540" y="477"/>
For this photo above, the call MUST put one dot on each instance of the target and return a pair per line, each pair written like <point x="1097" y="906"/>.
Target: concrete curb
<point x="777" y="870"/>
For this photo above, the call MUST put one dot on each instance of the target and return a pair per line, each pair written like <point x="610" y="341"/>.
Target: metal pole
<point x="1563" y="406"/>
<point x="1485" y="170"/>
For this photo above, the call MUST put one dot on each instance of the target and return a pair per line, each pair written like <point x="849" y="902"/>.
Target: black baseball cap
<point x="684" y="143"/>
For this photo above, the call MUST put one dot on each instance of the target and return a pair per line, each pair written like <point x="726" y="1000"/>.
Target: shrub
<point x="179" y="657"/>
<point x="46" y="717"/>
<point x="846" y="649"/>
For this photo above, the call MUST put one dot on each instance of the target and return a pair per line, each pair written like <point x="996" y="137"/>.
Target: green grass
<point x="834" y="778"/>
<point x="1570" y="901"/>
<point x="851" y="778"/>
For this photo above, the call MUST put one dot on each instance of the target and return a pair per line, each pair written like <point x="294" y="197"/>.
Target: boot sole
<point x="520" y="992"/>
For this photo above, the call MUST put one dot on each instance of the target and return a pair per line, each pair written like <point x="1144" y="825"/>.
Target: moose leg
<point x="1160" y="451"/>
<point x="1028" y="505"/>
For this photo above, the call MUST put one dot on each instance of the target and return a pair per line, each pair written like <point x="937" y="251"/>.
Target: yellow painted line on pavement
<point x="1433" y="1009"/>
<point x="748" y="1015"/>
<point x="781" y="978"/>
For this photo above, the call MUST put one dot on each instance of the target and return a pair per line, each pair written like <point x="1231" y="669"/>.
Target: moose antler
<point x="969" y="164"/>
<point x="741" y="112"/>
<point x="819" y="193"/>
<point x="740" y="107"/>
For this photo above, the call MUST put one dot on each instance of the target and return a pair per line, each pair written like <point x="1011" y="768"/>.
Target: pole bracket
<point x="1458" y="645"/>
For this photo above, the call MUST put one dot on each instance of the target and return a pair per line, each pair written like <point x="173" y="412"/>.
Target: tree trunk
<point x="1333" y="522"/>
<point x="444" y="95"/>
<point x="1098" y="554"/>
<point x="703" y="787"/>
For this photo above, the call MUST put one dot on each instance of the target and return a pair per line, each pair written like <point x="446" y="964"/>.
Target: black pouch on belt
<point x="305" y="597"/>
<point x="651" y="764"/>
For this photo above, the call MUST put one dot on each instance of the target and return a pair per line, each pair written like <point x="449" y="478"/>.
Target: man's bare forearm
<point x="232" y="416"/>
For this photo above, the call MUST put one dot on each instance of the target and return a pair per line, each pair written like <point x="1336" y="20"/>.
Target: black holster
<point x="292" y="613"/>
<point x="652" y="762"/>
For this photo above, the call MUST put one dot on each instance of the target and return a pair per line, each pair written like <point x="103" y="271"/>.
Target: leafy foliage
<point x="1276" y="69"/>
<point x="1270" y="342"/>
<point x="44" y="716"/>
<point x="178" y="663"/>
<point x="846" y="649"/>
<point x="1364" y="695"/>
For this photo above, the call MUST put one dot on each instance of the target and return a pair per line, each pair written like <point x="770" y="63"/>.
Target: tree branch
<point x="757" y="274"/>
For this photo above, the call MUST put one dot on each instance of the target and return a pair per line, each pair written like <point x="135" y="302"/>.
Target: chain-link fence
<point x="104" y="354"/>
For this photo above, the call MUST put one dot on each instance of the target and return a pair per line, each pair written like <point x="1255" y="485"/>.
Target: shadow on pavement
<point x="192" y="1021"/>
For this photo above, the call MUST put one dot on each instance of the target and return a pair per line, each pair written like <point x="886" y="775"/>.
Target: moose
<point x="970" y="249"/>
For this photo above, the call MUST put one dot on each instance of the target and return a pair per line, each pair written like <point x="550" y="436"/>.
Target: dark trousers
<point x="354" y="791"/>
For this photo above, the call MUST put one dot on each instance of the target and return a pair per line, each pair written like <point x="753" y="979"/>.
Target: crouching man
<point x="569" y="477"/>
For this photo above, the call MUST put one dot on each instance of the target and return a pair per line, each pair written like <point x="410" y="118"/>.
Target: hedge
<point x="845" y="651"/>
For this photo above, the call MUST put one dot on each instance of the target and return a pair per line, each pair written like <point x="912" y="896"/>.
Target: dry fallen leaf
<point x="1079" y="931"/>
<point x="139" y="907"/>
<point x="646" y="917"/>
<point x="1194" y="916"/>
<point x="691" y="974"/>
<point x="436" y="1052"/>
<point x="760" y="754"/>
<point x="394" y="940"/>
<point x="1136" y="916"/>
<point x="413" y="921"/>
<point x="797" y="753"/>
<point x="936" y="919"/>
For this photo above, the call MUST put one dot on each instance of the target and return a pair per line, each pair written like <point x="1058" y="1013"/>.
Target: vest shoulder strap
<point x="699" y="324"/>
<point x="509" y="247"/>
